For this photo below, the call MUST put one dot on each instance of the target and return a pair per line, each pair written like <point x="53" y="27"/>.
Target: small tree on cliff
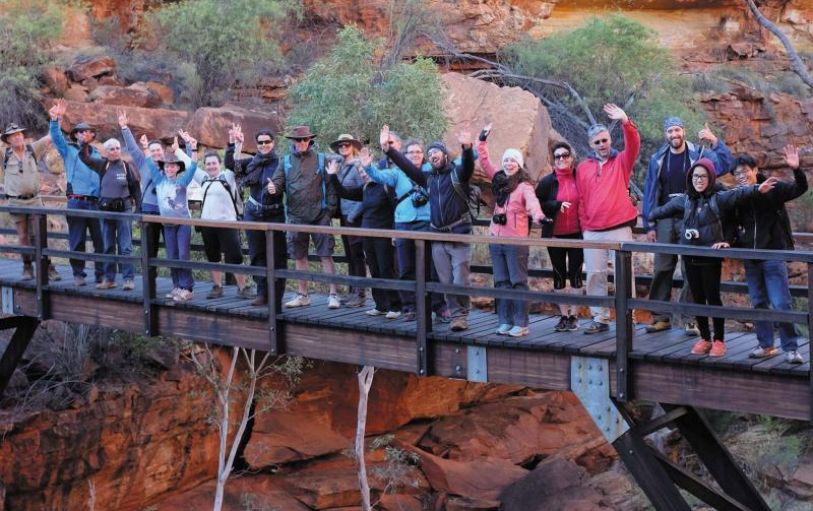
<point x="356" y="89"/>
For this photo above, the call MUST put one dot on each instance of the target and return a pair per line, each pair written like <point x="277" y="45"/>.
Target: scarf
<point x="503" y="185"/>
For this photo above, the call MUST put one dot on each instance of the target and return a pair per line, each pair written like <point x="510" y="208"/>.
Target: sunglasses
<point x="343" y="144"/>
<point x="561" y="156"/>
<point x="85" y="131"/>
<point x="601" y="141"/>
<point x="265" y="142"/>
<point x="301" y="140"/>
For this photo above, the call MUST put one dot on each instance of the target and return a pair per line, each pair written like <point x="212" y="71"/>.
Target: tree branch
<point x="797" y="64"/>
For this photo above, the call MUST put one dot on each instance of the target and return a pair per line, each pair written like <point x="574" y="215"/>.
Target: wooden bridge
<point x="606" y="371"/>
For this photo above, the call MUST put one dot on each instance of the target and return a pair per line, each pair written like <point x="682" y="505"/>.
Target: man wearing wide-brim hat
<point x="345" y="139"/>
<point x="83" y="190"/>
<point x="310" y="200"/>
<point x="21" y="184"/>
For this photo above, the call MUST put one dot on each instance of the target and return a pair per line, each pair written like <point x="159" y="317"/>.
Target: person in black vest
<point x="377" y="211"/>
<point x="261" y="206"/>
<point x="764" y="225"/>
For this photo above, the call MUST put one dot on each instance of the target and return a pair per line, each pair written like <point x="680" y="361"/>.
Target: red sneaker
<point x="717" y="349"/>
<point x="701" y="347"/>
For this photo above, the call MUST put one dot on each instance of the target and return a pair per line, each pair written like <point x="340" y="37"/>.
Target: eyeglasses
<point x="700" y="177"/>
<point x="740" y="173"/>
<point x="434" y="151"/>
<point x="417" y="151"/>
<point x="561" y="156"/>
<point x="265" y="142"/>
<point x="601" y="141"/>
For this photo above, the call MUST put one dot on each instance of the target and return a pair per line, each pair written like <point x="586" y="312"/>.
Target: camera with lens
<point x="419" y="198"/>
<point x="691" y="234"/>
<point x="500" y="219"/>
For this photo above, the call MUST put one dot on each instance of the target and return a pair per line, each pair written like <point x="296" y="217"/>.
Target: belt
<point x="448" y="228"/>
<point x="83" y="197"/>
<point x="21" y="197"/>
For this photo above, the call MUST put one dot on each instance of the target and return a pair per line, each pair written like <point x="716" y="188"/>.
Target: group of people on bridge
<point x="427" y="188"/>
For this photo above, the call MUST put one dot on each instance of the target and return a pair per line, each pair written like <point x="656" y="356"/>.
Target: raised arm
<point x="57" y="138"/>
<point x="482" y="152"/>
<point x="414" y="173"/>
<point x="672" y="208"/>
<point x="383" y="176"/>
<point x="632" y="139"/>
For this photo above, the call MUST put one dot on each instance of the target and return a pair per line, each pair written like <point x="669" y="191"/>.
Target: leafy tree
<point x="224" y="43"/>
<point x="609" y="59"/>
<point x="27" y="29"/>
<point x="351" y="90"/>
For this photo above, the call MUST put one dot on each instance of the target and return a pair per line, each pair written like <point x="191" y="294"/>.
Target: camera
<point x="419" y="198"/>
<point x="691" y="234"/>
<point x="500" y="219"/>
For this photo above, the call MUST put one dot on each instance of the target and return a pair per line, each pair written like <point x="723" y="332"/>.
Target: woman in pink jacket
<point x="515" y="205"/>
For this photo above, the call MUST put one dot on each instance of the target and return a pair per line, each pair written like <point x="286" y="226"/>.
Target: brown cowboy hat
<point x="170" y="158"/>
<point x="345" y="138"/>
<point x="10" y="130"/>
<point x="300" y="132"/>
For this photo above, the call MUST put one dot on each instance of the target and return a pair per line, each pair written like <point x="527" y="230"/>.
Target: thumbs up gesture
<point x="706" y="135"/>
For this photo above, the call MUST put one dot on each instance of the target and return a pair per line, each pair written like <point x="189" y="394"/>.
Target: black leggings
<point x="704" y="282"/>
<point x="567" y="263"/>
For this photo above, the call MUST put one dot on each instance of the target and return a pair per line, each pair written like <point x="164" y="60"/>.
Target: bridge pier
<point x="25" y="327"/>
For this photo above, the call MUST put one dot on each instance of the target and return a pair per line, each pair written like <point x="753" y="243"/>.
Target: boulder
<point x="211" y="125"/>
<point x="55" y="79"/>
<point x="75" y="92"/>
<point x="164" y="91"/>
<point x="519" y="120"/>
<point x="134" y="95"/>
<point x="482" y="479"/>
<point x="91" y="67"/>
<point x="241" y="493"/>
<point x="155" y="122"/>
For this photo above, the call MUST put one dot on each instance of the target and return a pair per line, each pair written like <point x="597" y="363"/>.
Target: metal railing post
<point x="623" y="322"/>
<point x="423" y="310"/>
<point x="277" y="345"/>
<point x="810" y="328"/>
<point x="147" y="282"/>
<point x="40" y="244"/>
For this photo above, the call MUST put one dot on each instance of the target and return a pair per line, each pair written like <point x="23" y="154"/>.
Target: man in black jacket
<point x="764" y="224"/>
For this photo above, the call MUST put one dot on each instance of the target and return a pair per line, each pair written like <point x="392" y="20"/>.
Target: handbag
<point x="116" y="205"/>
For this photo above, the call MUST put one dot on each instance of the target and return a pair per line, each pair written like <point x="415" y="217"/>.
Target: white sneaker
<point x="393" y="315"/>
<point x="172" y="293"/>
<point x="183" y="295"/>
<point x="299" y="301"/>
<point x="794" y="357"/>
<point x="374" y="312"/>
<point x="333" y="302"/>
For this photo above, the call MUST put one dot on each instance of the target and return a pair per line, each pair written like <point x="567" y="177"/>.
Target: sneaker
<point x="299" y="301"/>
<point x="409" y="316"/>
<point x="444" y="316"/>
<point x="374" y="312"/>
<point x="53" y="274"/>
<point x="245" y="293"/>
<point x="561" y="326"/>
<point x="356" y="301"/>
<point x="518" y="331"/>
<point x="79" y="281"/>
<point x="718" y="349"/>
<point x="28" y="272"/>
<point x="106" y="284"/>
<point x="216" y="292"/>
<point x="503" y="329"/>
<point x="658" y="326"/>
<point x="393" y="315"/>
<point x="172" y="293"/>
<point x="794" y="357"/>
<point x="572" y="324"/>
<point x="128" y="285"/>
<point x="183" y="295"/>
<point x="701" y="347"/>
<point x="760" y="352"/>
<point x="691" y="329"/>
<point x="459" y="324"/>
<point x="261" y="299"/>
<point x="596" y="327"/>
<point x="332" y="302"/>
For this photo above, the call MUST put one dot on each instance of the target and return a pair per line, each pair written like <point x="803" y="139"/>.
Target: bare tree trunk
<point x="365" y="378"/>
<point x="223" y="401"/>
<point x="797" y="64"/>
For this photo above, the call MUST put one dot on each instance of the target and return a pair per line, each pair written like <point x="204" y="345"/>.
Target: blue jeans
<point x="768" y="285"/>
<point x="178" y="239"/>
<point x="511" y="272"/>
<point x="117" y="234"/>
<point x="77" y="236"/>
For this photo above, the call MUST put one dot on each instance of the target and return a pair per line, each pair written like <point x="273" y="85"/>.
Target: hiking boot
<point x="260" y="300"/>
<point x="183" y="295"/>
<point x="518" y="331"/>
<point x="356" y="301"/>
<point x="245" y="293"/>
<point x="332" y="302"/>
<point x="299" y="301"/>
<point x="374" y="312"/>
<point x="106" y="284"/>
<point x="79" y="281"/>
<point x="459" y="324"/>
<point x="172" y="293"/>
<point x="503" y="329"/>
<point x="691" y="329"/>
<point x="794" y="357"/>
<point x="572" y="324"/>
<point x="561" y="326"/>
<point x="28" y="272"/>
<point x="701" y="347"/>
<point x="596" y="327"/>
<point x="718" y="349"/>
<point x="216" y="292"/>
<point x="53" y="275"/>
<point x="393" y="315"/>
<point x="658" y="326"/>
<point x="760" y="352"/>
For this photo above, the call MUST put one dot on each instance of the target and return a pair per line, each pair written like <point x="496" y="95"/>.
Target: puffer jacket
<point x="697" y="210"/>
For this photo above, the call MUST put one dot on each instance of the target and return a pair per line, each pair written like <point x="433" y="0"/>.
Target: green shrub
<point x="27" y="29"/>
<point x="348" y="91"/>
<point x="611" y="59"/>
<point x="225" y="43"/>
